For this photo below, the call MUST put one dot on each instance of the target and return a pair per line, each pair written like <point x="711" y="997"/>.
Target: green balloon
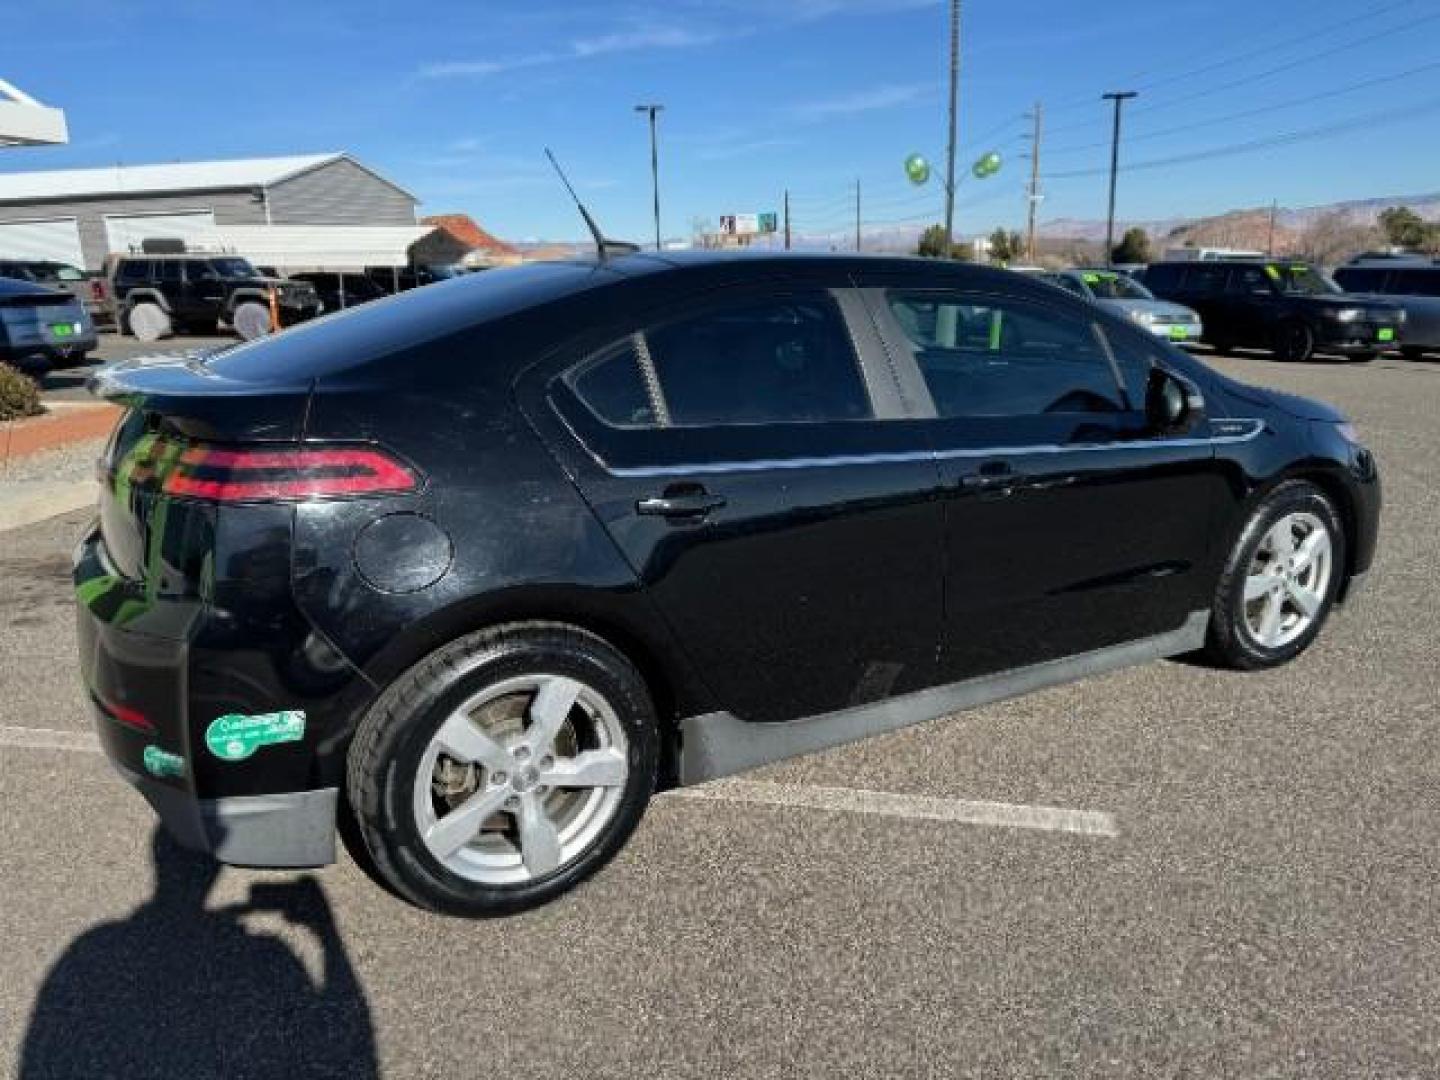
<point x="986" y="165"/>
<point x="917" y="169"/>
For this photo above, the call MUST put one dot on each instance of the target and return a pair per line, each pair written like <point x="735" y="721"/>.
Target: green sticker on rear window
<point x="1385" y="333"/>
<point x="235" y="737"/>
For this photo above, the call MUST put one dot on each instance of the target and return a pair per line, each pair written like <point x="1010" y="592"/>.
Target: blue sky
<point x="454" y="99"/>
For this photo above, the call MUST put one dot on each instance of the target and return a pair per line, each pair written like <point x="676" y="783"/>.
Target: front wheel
<point x="504" y="769"/>
<point x="1294" y="342"/>
<point x="149" y="322"/>
<point x="1280" y="581"/>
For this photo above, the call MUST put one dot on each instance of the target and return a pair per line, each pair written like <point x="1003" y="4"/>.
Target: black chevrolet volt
<point x="466" y="575"/>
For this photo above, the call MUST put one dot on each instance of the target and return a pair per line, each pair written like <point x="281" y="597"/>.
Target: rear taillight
<point x="230" y="475"/>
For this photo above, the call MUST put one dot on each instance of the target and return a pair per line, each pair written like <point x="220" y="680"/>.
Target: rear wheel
<point x="1364" y="356"/>
<point x="1280" y="581"/>
<point x="149" y="322"/>
<point x="252" y="320"/>
<point x="1294" y="342"/>
<point x="1412" y="352"/>
<point x="504" y="769"/>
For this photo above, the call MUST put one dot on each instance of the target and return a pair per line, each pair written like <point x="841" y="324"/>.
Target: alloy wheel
<point x="1288" y="580"/>
<point x="521" y="779"/>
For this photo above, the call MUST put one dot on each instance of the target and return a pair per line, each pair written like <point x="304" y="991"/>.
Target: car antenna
<point x="603" y="248"/>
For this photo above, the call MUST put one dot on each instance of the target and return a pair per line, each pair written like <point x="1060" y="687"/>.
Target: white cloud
<point x="725" y="151"/>
<point x="636" y="37"/>
<point x="860" y="101"/>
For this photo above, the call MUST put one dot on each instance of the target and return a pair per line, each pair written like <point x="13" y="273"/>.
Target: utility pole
<point x="950" y="145"/>
<point x="1119" y="98"/>
<point x="787" y="219"/>
<point x="651" y="110"/>
<point x="857" y="213"/>
<point x="1270" y="241"/>
<point x="1034" y="179"/>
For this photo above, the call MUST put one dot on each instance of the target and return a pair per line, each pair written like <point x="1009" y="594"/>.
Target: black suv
<point x="156" y="295"/>
<point x="500" y="556"/>
<point x="1287" y="307"/>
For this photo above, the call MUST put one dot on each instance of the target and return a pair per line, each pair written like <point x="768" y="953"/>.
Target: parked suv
<point x="503" y="555"/>
<point x="156" y="295"/>
<point x="90" y="289"/>
<point x="1413" y="284"/>
<point x="1289" y="308"/>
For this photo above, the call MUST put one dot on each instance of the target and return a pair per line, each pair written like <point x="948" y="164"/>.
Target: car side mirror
<point x="1172" y="405"/>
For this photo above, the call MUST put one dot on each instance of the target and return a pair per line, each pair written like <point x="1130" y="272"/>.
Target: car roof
<point x="16" y="287"/>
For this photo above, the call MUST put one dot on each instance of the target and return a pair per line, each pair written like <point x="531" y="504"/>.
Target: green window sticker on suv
<point x="1385" y="333"/>
<point x="235" y="737"/>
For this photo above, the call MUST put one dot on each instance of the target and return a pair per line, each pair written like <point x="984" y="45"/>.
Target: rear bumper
<point x="283" y="831"/>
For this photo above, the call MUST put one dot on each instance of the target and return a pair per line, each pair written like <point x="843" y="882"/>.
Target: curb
<point x="27" y="502"/>
<point x="67" y="422"/>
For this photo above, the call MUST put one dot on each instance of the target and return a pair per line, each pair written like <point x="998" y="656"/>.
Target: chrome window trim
<point x="911" y="456"/>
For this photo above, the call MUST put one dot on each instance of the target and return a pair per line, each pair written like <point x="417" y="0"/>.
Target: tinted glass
<point x="1107" y="285"/>
<point x="134" y="270"/>
<point x="233" y="268"/>
<point x="614" y="388"/>
<point x="1417" y="282"/>
<point x="1361" y="278"/>
<point x="1250" y="280"/>
<point x="764" y="362"/>
<point x="1205" y="280"/>
<point x="68" y="273"/>
<point x="169" y="270"/>
<point x="1161" y="277"/>
<point x="989" y="357"/>
<point x="1069" y="284"/>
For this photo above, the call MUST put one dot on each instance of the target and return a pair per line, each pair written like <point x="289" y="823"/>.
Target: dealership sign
<point x="749" y="224"/>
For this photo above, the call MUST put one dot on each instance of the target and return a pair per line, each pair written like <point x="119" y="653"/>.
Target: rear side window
<point x="1361" y="278"/>
<point x="1417" y="282"/>
<point x="1205" y="280"/>
<point x="1005" y="357"/>
<point x="133" y="270"/>
<point x="1161" y="277"/>
<point x="1250" y="281"/>
<point x="170" y="271"/>
<point x="775" y="361"/>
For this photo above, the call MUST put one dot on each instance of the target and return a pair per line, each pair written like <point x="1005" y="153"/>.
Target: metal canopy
<point x="25" y="122"/>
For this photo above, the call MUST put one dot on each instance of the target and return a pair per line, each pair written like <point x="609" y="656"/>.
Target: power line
<point x="1291" y="65"/>
<point x="1258" y="111"/>
<point x="1286" y="138"/>
<point x="1137" y="78"/>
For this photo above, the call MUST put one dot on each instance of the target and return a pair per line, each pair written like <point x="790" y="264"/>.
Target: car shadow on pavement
<point x="177" y="989"/>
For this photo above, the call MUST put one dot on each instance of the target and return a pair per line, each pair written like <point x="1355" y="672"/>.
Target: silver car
<point x="1174" y="322"/>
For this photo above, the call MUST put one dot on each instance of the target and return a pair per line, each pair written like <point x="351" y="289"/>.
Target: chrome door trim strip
<point x="720" y="744"/>
<point x="711" y="468"/>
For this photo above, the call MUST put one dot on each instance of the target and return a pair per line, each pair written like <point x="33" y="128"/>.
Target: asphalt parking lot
<point x="1238" y="879"/>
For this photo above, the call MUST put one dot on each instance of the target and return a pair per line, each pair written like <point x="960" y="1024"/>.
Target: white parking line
<point x="803" y="796"/>
<point x="917" y="807"/>
<point x="46" y="739"/>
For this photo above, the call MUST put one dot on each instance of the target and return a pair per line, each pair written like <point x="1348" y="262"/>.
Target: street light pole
<point x="651" y="111"/>
<point x="950" y="146"/>
<point x="1119" y="98"/>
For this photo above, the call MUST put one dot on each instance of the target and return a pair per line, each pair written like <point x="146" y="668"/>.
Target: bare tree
<point x="1334" y="237"/>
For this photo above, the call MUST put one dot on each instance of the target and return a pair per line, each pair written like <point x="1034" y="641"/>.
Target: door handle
<point x="995" y="479"/>
<point x="680" y="504"/>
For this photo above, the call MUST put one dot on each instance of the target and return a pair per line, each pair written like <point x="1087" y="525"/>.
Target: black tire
<point x="1294" y="342"/>
<point x="1365" y="356"/>
<point x="392" y="738"/>
<point x="1220" y="344"/>
<point x="1231" y="642"/>
<point x="1412" y="352"/>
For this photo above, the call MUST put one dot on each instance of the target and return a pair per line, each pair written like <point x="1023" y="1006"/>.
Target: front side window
<point x="1299" y="279"/>
<point x="1108" y="285"/>
<point x="233" y="268"/>
<point x="1205" y="280"/>
<point x="774" y="361"/>
<point x="170" y="271"/>
<point x="1251" y="281"/>
<point x="983" y="356"/>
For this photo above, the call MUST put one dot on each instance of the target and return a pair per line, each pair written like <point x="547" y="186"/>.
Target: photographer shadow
<point x="177" y="989"/>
